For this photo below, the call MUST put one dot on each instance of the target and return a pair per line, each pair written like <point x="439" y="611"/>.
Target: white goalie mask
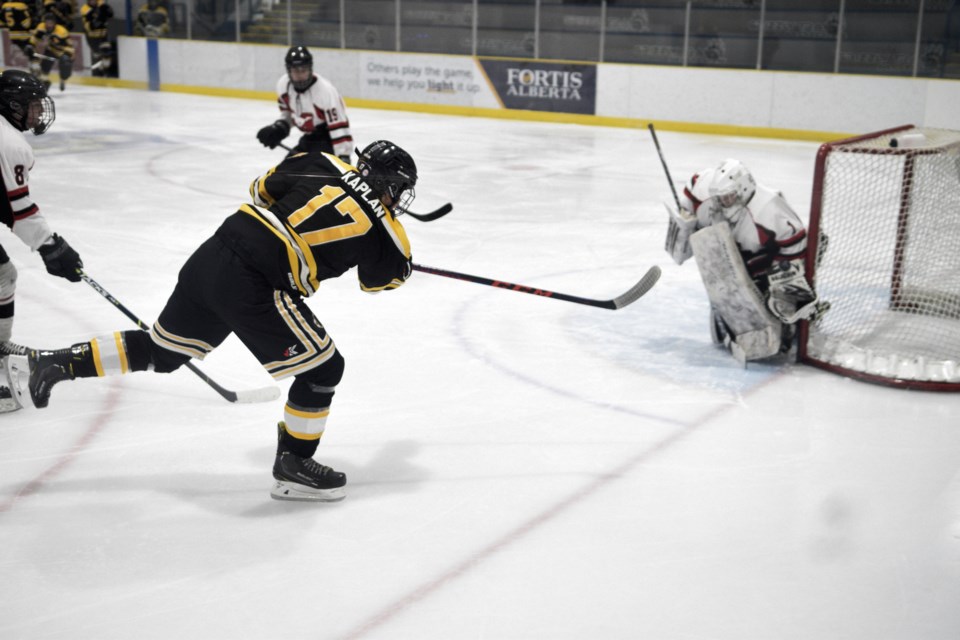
<point x="733" y="184"/>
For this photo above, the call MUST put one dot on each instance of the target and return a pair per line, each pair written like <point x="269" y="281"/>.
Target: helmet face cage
<point x="733" y="184"/>
<point x="404" y="200"/>
<point x="21" y="93"/>
<point x="390" y="171"/>
<point x="300" y="57"/>
<point x="48" y="113"/>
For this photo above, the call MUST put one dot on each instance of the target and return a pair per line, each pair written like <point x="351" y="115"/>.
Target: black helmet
<point x="299" y="57"/>
<point x="18" y="90"/>
<point x="389" y="170"/>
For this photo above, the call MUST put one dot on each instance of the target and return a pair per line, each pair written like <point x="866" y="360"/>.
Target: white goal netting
<point x="885" y="217"/>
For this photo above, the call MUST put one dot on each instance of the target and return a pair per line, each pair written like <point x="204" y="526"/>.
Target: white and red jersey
<point x="318" y="107"/>
<point x="766" y="230"/>
<point x="17" y="210"/>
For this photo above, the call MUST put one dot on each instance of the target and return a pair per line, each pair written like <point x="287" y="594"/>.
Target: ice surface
<point x="518" y="467"/>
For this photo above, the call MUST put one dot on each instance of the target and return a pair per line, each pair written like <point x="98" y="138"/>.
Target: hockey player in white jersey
<point x="24" y="105"/>
<point x="311" y="103"/>
<point x="750" y="247"/>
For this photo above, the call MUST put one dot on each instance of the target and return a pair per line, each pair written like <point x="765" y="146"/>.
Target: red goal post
<point x="884" y="251"/>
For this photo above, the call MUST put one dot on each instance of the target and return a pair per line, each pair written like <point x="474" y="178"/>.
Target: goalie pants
<point x="218" y="294"/>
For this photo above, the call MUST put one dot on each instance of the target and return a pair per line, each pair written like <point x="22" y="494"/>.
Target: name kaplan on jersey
<point x="362" y="189"/>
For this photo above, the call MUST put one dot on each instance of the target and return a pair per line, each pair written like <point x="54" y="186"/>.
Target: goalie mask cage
<point x="885" y="230"/>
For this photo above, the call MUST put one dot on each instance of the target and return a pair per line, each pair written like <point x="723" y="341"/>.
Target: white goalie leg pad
<point x="756" y="332"/>
<point x="14" y="377"/>
<point x="680" y="226"/>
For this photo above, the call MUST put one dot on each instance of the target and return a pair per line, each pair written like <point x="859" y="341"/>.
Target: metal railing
<point x="887" y="37"/>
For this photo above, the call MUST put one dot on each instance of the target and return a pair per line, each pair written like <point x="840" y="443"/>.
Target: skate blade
<point x="298" y="492"/>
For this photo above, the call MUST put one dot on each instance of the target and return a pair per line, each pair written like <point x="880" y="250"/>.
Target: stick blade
<point x="433" y="215"/>
<point x="638" y="290"/>
<point x="253" y="396"/>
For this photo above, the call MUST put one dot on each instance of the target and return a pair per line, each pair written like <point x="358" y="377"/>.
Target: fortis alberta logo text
<point x="541" y="83"/>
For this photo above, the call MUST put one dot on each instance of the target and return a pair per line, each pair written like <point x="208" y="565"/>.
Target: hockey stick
<point x="632" y="295"/>
<point x="433" y="215"/>
<point x="656" y="143"/>
<point x="264" y="394"/>
<point x="422" y="217"/>
<point x="41" y="56"/>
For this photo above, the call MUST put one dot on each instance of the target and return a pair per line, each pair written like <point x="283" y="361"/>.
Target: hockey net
<point x="885" y="253"/>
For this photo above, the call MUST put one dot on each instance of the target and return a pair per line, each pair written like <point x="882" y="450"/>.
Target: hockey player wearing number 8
<point x="311" y="103"/>
<point x="313" y="217"/>
<point x="25" y="106"/>
<point x="750" y="247"/>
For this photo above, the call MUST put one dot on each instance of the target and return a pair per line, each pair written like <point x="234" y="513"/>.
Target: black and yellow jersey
<point x="62" y="10"/>
<point x="56" y="43"/>
<point x="96" y="18"/>
<point x="313" y="217"/>
<point x="18" y="20"/>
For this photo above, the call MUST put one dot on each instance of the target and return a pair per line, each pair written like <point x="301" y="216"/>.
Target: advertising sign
<point x="543" y="86"/>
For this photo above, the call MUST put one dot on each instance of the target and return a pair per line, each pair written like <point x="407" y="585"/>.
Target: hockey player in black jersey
<point x="313" y="217"/>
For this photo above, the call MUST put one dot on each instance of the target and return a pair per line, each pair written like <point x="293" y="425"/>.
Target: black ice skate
<point x="787" y="340"/>
<point x="47" y="368"/>
<point x="300" y="478"/>
<point x="719" y="332"/>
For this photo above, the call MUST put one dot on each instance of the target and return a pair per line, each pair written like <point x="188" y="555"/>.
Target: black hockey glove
<point x="61" y="259"/>
<point x="273" y="134"/>
<point x="29" y="51"/>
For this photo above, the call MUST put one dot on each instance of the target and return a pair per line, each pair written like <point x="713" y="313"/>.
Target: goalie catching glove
<point x="791" y="298"/>
<point x="273" y="134"/>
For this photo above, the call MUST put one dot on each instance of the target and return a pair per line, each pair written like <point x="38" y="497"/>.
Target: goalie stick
<point x="422" y="217"/>
<point x="632" y="295"/>
<point x="673" y="190"/>
<point x="264" y="394"/>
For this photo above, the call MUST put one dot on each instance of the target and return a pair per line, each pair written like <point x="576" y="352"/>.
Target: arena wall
<point x="724" y="101"/>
